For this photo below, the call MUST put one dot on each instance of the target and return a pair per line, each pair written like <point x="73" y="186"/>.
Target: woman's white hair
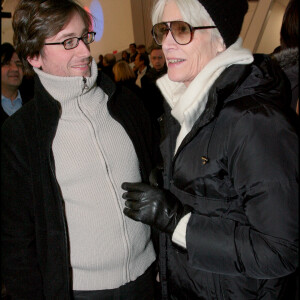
<point x="192" y="11"/>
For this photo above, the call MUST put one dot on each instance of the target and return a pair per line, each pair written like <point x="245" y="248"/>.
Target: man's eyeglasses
<point x="73" y="42"/>
<point x="182" y="32"/>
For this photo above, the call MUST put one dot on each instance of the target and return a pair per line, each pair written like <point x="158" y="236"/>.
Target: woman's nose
<point x="168" y="40"/>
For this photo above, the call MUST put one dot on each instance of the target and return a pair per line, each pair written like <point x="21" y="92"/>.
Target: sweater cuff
<point x="179" y="235"/>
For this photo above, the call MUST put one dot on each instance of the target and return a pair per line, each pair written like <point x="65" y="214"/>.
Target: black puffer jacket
<point x="242" y="237"/>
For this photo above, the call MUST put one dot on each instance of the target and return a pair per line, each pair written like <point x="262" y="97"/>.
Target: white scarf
<point x="188" y="103"/>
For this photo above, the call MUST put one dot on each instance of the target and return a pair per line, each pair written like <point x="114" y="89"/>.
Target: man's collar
<point x="16" y="99"/>
<point x="143" y="71"/>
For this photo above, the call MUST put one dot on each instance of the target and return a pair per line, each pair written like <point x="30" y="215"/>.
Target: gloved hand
<point x="153" y="206"/>
<point x="156" y="177"/>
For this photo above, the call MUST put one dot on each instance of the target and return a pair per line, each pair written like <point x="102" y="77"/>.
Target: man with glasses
<point x="64" y="156"/>
<point x="153" y="98"/>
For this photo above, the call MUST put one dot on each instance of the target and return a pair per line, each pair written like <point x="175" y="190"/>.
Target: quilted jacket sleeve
<point x="263" y="165"/>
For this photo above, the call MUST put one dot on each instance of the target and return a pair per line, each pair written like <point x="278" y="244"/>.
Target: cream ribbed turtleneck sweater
<point x="93" y="156"/>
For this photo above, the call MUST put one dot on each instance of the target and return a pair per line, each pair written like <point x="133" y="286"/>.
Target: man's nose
<point x="13" y="66"/>
<point x="83" y="49"/>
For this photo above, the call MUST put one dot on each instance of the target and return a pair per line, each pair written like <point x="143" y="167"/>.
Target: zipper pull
<point x="84" y="84"/>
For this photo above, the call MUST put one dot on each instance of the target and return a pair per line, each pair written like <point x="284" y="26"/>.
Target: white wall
<point x="6" y="28"/>
<point x="127" y="21"/>
<point x="118" y="27"/>
<point x="262" y="24"/>
<point x="270" y="38"/>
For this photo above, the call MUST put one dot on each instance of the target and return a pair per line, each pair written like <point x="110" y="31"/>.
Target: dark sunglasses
<point x="182" y="32"/>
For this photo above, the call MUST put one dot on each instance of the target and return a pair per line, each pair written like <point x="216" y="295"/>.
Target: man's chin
<point x="85" y="73"/>
<point x="15" y="82"/>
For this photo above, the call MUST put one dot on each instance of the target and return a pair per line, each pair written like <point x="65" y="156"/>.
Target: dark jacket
<point x="130" y="84"/>
<point x="288" y="60"/>
<point x="153" y="99"/>
<point x="35" y="251"/>
<point x="25" y="98"/>
<point x="238" y="170"/>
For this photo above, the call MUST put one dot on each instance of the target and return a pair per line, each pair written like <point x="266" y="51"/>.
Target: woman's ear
<point x="220" y="45"/>
<point x="34" y="61"/>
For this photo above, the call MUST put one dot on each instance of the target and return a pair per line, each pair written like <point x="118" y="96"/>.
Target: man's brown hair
<point x="36" y="20"/>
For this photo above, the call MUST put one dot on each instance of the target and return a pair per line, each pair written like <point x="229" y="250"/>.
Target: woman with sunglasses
<point x="227" y="210"/>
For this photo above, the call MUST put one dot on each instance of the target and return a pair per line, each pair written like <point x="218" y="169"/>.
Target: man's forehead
<point x="14" y="57"/>
<point x="63" y="34"/>
<point x="157" y="52"/>
<point x="70" y="29"/>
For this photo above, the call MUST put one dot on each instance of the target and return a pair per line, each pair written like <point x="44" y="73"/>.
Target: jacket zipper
<point x="111" y="182"/>
<point x="85" y="86"/>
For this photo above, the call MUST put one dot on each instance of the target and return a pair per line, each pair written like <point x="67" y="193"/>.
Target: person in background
<point x="11" y="79"/>
<point x="153" y="99"/>
<point x="158" y="61"/>
<point x="141" y="49"/>
<point x="133" y="52"/>
<point x="141" y="64"/>
<point x="64" y="156"/>
<point x="125" y="56"/>
<point x="100" y="62"/>
<point x="227" y="210"/>
<point x="125" y="76"/>
<point x="109" y="61"/>
<point x="288" y="53"/>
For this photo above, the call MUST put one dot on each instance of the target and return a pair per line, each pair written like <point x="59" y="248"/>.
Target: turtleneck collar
<point x="64" y="89"/>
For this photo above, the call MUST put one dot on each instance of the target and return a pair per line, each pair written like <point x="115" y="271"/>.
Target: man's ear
<point x="34" y="61"/>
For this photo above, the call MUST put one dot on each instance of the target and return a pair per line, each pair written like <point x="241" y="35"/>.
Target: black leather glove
<point x="153" y="206"/>
<point x="156" y="177"/>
